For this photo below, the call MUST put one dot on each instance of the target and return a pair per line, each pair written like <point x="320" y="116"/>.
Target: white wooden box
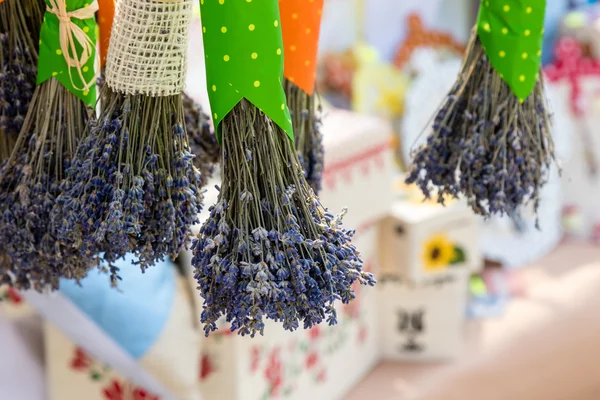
<point x="321" y="364"/>
<point x="423" y="321"/>
<point x="359" y="167"/>
<point x="423" y="240"/>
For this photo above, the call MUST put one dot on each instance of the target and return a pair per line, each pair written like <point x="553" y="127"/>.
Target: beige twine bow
<point x="70" y="34"/>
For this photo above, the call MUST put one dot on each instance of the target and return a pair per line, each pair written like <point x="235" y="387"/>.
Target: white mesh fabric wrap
<point x="148" y="47"/>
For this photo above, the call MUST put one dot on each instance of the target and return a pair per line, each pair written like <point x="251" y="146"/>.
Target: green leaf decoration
<point x="512" y="32"/>
<point x="459" y="256"/>
<point x="52" y="63"/>
<point x="244" y="58"/>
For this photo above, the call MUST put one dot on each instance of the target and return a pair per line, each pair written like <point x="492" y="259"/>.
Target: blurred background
<point x="464" y="308"/>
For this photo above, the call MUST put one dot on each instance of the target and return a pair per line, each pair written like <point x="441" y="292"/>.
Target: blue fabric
<point x="135" y="314"/>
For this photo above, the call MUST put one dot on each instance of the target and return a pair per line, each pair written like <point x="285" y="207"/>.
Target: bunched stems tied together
<point x="20" y="23"/>
<point x="486" y="145"/>
<point x="306" y="114"/>
<point x="30" y="184"/>
<point x="269" y="249"/>
<point x="132" y="187"/>
<point x="203" y="143"/>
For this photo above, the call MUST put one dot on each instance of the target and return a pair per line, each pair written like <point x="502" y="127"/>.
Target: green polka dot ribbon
<point x="244" y="58"/>
<point x="52" y="60"/>
<point x="512" y="32"/>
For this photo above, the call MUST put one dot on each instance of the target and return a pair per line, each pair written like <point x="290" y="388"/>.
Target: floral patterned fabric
<point x="76" y="375"/>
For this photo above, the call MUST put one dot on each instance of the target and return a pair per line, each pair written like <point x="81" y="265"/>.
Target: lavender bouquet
<point x="491" y="138"/>
<point x="268" y="249"/>
<point x="133" y="188"/>
<point x="308" y="139"/>
<point x="30" y="180"/>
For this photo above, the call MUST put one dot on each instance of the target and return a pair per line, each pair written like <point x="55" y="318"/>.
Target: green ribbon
<point x="243" y="47"/>
<point x="52" y="63"/>
<point x="512" y="34"/>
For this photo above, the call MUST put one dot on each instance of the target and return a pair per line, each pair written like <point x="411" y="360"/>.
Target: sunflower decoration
<point x="440" y="253"/>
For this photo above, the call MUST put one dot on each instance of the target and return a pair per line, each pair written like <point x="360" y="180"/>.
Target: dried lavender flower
<point x="203" y="143"/>
<point x="30" y="183"/>
<point x="306" y="114"/>
<point x="132" y="186"/>
<point x="20" y="23"/>
<point x="486" y="145"/>
<point x="201" y="138"/>
<point x="269" y="249"/>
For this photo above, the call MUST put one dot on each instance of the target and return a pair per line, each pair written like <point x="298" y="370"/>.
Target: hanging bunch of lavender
<point x="133" y="187"/>
<point x="203" y="142"/>
<point x="491" y="138"/>
<point x="20" y="22"/>
<point x="269" y="249"/>
<point x="300" y="25"/>
<point x="31" y="178"/>
<point x="306" y="120"/>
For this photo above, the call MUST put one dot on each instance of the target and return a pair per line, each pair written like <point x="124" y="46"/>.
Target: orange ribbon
<point x="300" y="25"/>
<point x="106" y="14"/>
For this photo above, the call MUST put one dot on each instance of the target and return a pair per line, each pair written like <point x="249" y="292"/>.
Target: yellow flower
<point x="438" y="253"/>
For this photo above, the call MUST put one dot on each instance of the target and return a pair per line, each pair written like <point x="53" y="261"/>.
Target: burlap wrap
<point x="148" y="47"/>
